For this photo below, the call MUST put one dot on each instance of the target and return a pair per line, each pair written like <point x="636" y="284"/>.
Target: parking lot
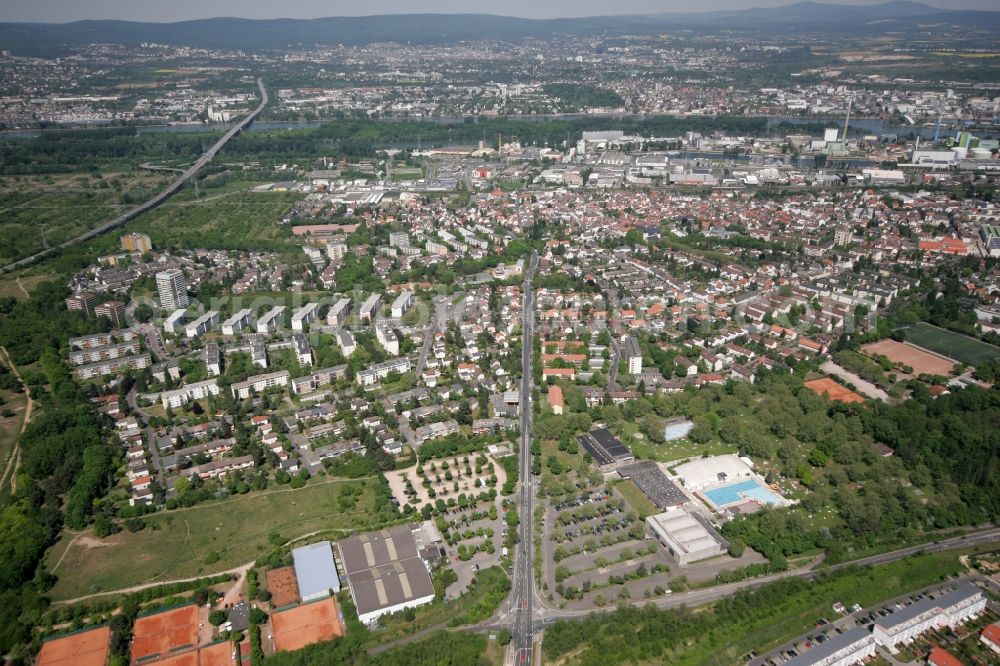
<point x="445" y="479"/>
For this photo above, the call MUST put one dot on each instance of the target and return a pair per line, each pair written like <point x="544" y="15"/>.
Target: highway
<point x="165" y="194"/>
<point x="523" y="589"/>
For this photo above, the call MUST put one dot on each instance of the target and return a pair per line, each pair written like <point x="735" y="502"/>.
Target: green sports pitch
<point x="953" y="345"/>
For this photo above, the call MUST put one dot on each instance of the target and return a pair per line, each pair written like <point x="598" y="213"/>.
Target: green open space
<point x="243" y="221"/>
<point x="953" y="345"/>
<point x="40" y="211"/>
<point x="229" y="533"/>
<point x="636" y="499"/>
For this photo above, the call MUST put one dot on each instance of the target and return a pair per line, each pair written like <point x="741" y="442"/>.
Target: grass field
<point x="636" y="499"/>
<point x="954" y="345"/>
<point x="176" y="544"/>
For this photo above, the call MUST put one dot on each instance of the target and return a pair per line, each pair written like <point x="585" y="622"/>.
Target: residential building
<point x="113" y="310"/>
<point x="237" y="322"/>
<point x="374" y="373"/>
<point x="104" y="352"/>
<point x="258" y="383"/>
<point x="950" y="609"/>
<point x="185" y="394"/>
<point x="270" y="321"/>
<point x="339" y="312"/>
<point x="173" y="323"/>
<point x="345" y="340"/>
<point x="202" y="324"/>
<point x="304" y="316"/>
<point x="83" y="301"/>
<point x="369" y="309"/>
<point x="854" y="646"/>
<point x="632" y="354"/>
<point x="113" y="366"/>
<point x="310" y="383"/>
<point x="402" y="304"/>
<point x="303" y="352"/>
<point x="213" y="359"/>
<point x="555" y="398"/>
<point x="136" y="242"/>
<point x="171" y="285"/>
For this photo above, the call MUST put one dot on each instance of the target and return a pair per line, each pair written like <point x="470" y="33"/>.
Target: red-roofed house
<point x="555" y="399"/>
<point x="941" y="657"/>
<point x="991" y="637"/>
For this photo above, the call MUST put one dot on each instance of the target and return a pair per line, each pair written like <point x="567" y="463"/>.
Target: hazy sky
<point x="178" y="10"/>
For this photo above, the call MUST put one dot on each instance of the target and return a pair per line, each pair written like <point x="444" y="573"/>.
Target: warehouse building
<point x="688" y="537"/>
<point x="385" y="572"/>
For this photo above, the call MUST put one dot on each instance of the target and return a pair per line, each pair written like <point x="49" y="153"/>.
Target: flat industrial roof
<point x="604" y="447"/>
<point x="315" y="571"/>
<point x="384" y="568"/>
<point x="685" y="530"/>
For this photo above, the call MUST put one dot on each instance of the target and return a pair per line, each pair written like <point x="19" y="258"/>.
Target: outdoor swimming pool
<point x="740" y="491"/>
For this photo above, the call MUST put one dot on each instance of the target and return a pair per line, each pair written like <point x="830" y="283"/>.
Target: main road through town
<point x="523" y="589"/>
<point x="165" y="194"/>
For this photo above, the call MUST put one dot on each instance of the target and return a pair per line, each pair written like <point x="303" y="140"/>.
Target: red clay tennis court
<point x="160" y="634"/>
<point x="218" y="654"/>
<point x="833" y="390"/>
<point x="922" y="362"/>
<point x="304" y="625"/>
<point x="87" y="648"/>
<point x="283" y="586"/>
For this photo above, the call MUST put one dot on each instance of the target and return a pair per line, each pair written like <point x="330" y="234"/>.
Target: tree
<point x="217" y="617"/>
<point x="504" y="637"/>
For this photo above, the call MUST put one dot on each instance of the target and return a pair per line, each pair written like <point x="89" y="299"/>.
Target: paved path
<point x="863" y="385"/>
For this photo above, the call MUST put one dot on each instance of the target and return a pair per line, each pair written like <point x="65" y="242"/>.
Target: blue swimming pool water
<point x="742" y="490"/>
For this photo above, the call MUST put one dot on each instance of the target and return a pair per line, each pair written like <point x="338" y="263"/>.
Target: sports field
<point x="954" y="345"/>
<point x="922" y="362"/>
<point x="217" y="654"/>
<point x="86" y="648"/>
<point x="833" y="390"/>
<point x="304" y="625"/>
<point x="283" y="586"/>
<point x="162" y="633"/>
